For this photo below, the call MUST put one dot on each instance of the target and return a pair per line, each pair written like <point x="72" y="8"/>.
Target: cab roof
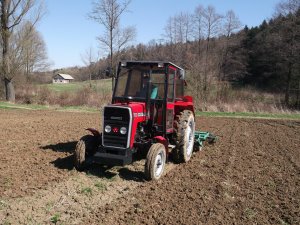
<point x="157" y="63"/>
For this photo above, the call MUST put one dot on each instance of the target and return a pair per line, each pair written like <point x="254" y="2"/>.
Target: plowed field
<point x="250" y="176"/>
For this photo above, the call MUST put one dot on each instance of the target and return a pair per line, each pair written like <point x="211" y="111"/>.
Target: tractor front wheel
<point x="185" y="131"/>
<point x="85" y="147"/>
<point x="155" y="162"/>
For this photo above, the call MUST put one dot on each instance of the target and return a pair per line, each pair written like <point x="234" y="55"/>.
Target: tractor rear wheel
<point x="85" y="147"/>
<point x="155" y="162"/>
<point x="185" y="136"/>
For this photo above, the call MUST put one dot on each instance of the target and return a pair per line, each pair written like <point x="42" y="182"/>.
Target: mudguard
<point x="162" y="140"/>
<point x="95" y="132"/>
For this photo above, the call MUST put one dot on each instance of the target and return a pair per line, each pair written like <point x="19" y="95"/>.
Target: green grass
<point x="97" y="85"/>
<point x="101" y="186"/>
<point x="250" y="213"/>
<point x="87" y="191"/>
<point x="77" y="109"/>
<point x="2" y="204"/>
<point x="55" y="219"/>
<point x="295" y="116"/>
<point x="7" y="105"/>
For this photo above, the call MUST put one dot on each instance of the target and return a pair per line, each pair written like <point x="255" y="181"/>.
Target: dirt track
<point x="250" y="176"/>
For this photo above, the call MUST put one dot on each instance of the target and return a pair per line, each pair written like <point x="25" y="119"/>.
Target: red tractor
<point x="149" y="116"/>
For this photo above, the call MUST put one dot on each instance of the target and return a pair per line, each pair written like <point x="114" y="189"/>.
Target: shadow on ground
<point x="102" y="171"/>
<point x="61" y="147"/>
<point x="65" y="163"/>
<point x="109" y="172"/>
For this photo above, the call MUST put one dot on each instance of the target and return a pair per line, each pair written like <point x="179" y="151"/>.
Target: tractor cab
<point x="157" y="85"/>
<point x="157" y="79"/>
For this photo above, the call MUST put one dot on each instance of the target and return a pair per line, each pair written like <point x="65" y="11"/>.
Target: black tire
<point x="155" y="162"/>
<point x="197" y="147"/>
<point x="184" y="130"/>
<point x="211" y="139"/>
<point x="86" y="146"/>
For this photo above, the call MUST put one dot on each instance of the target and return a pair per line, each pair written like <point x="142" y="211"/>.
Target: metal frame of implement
<point x="201" y="136"/>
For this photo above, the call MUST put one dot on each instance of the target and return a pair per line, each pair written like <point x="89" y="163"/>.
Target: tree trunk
<point x="5" y="36"/>
<point x="298" y="96"/>
<point x="9" y="90"/>
<point x="288" y="85"/>
<point x="205" y="82"/>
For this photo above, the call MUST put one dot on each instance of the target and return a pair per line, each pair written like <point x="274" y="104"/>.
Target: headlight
<point x="107" y="129"/>
<point x="123" y="130"/>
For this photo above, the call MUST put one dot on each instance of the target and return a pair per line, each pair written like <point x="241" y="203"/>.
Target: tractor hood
<point x="119" y="115"/>
<point x="138" y="109"/>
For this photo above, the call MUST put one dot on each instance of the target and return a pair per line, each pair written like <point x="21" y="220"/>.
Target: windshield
<point x="132" y="82"/>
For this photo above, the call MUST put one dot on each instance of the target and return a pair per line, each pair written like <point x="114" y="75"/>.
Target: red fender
<point x="162" y="140"/>
<point x="95" y="132"/>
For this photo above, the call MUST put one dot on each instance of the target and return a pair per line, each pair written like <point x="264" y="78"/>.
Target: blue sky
<point x="68" y="32"/>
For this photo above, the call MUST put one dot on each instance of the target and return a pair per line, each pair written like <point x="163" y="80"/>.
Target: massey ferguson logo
<point x="139" y="114"/>
<point x="116" y="118"/>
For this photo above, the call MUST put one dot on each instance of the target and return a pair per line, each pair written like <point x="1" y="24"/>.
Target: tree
<point x="89" y="59"/>
<point x="108" y="13"/>
<point x="286" y="7"/>
<point x="211" y="27"/>
<point x="178" y="32"/>
<point x="289" y="35"/>
<point x="30" y="49"/>
<point x="231" y="24"/>
<point x="13" y="12"/>
<point x="198" y="32"/>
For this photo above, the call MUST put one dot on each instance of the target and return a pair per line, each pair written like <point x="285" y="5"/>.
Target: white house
<point x="61" y="78"/>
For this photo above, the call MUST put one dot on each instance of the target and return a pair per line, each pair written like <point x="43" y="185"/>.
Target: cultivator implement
<point x="201" y="137"/>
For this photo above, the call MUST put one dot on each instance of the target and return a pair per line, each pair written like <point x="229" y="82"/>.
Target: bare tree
<point x="287" y="7"/>
<point x="178" y="31"/>
<point x="31" y="49"/>
<point x="89" y="59"/>
<point x="198" y="32"/>
<point x="108" y="13"/>
<point x="13" y="12"/>
<point x="169" y="34"/>
<point x="179" y="28"/>
<point x="211" y="28"/>
<point x="123" y="38"/>
<point x="231" y="24"/>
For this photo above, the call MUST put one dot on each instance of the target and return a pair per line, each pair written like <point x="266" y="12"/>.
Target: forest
<point x="220" y="61"/>
<point x="229" y="66"/>
<point x="227" y="63"/>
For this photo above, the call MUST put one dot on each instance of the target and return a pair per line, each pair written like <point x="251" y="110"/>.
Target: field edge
<point x="254" y="115"/>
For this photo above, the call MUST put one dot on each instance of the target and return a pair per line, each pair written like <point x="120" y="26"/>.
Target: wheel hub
<point x="159" y="164"/>
<point x="190" y="138"/>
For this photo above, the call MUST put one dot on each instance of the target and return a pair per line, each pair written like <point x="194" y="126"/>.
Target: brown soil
<point x="250" y="176"/>
<point x="36" y="146"/>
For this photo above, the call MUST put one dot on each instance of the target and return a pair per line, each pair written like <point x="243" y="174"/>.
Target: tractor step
<point x="201" y="136"/>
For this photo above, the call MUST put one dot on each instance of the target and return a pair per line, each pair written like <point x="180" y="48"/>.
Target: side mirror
<point x="181" y="74"/>
<point x="148" y="97"/>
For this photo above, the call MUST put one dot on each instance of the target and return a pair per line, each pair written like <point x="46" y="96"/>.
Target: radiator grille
<point x="116" y="117"/>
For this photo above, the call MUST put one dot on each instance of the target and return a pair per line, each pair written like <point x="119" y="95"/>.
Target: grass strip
<point x="7" y="105"/>
<point x="295" y="116"/>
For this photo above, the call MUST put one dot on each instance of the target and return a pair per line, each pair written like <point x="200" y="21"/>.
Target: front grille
<point x="116" y="117"/>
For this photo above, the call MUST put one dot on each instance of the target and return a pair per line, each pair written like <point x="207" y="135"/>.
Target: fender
<point x="162" y="140"/>
<point x="95" y="132"/>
